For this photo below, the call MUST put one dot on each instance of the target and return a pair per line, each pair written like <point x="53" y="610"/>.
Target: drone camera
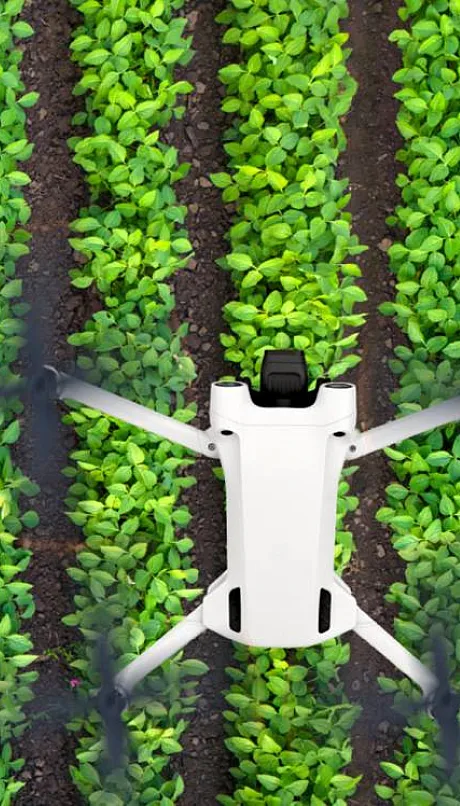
<point x="283" y="381"/>
<point x="284" y="372"/>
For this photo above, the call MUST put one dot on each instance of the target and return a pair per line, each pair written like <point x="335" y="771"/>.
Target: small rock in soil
<point x="385" y="244"/>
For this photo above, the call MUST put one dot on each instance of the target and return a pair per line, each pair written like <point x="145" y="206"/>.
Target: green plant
<point x="289" y="729"/>
<point x="423" y="501"/>
<point x="125" y="483"/>
<point x="289" y="246"/>
<point x="16" y="602"/>
<point x="291" y="239"/>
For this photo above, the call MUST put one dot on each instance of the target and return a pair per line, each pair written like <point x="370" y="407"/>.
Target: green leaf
<point x="18" y="178"/>
<point x="278" y="686"/>
<point x="20" y="661"/>
<point x="239" y="261"/>
<point x="96" y="57"/>
<point x="13" y="7"/>
<point x="22" y="29"/>
<point x="278" y="231"/>
<point x="194" y="667"/>
<point x="418" y="797"/>
<point x="270" y="782"/>
<point x="5" y="626"/>
<point x="409" y="630"/>
<point x="11" y="289"/>
<point x="11" y="433"/>
<point x="221" y="180"/>
<point x="170" y="746"/>
<point x="328" y="62"/>
<point x="135" y="454"/>
<point x="297" y="788"/>
<point x="148" y="199"/>
<point x="391" y="769"/>
<point x="384" y="792"/>
<point x="452" y="350"/>
<point x="238" y="744"/>
<point x="182" y="245"/>
<point x="30" y="519"/>
<point x="268" y="744"/>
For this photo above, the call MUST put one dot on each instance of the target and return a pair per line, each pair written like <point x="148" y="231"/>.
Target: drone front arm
<point x="133" y="413"/>
<point x="382" y="436"/>
<point x="168" y="645"/>
<point x="390" y="648"/>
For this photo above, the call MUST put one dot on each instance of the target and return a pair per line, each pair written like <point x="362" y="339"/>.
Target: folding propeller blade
<point x="60" y="708"/>
<point x="37" y="388"/>
<point x="440" y="665"/>
<point x="110" y="703"/>
<point x="445" y="704"/>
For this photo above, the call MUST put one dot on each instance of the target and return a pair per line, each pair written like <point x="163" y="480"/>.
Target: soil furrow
<point x="201" y="291"/>
<point x="55" y="194"/>
<point x="370" y="164"/>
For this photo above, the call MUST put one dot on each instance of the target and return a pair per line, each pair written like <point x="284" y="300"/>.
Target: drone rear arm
<point x="383" y="642"/>
<point x="147" y="419"/>
<point x="404" y="427"/>
<point x="168" y="645"/>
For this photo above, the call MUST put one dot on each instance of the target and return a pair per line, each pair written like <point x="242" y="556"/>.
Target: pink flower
<point x="75" y="682"/>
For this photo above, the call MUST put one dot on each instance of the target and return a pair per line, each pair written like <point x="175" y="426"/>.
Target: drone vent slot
<point x="324" y="610"/>
<point x="234" y="609"/>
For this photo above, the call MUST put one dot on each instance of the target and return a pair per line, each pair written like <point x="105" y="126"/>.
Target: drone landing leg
<point x="383" y="642"/>
<point x="168" y="645"/>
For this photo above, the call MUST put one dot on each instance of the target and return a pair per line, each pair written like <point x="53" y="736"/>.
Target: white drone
<point x="282" y="450"/>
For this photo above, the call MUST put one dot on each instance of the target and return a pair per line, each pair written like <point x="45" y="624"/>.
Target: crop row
<point x="423" y="502"/>
<point x="288" y="723"/>
<point x="135" y="570"/>
<point x="16" y="601"/>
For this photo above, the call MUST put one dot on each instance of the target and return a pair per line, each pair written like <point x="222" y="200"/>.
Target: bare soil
<point x="370" y="164"/>
<point x="201" y="292"/>
<point x="55" y="195"/>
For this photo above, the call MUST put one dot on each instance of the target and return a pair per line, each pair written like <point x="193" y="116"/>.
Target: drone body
<point x="282" y="468"/>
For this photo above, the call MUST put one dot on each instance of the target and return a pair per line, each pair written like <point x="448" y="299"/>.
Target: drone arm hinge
<point x="370" y="631"/>
<point x="135" y="414"/>
<point x="168" y="645"/>
<point x="410" y="425"/>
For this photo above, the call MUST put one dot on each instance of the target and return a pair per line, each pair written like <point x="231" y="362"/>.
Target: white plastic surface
<point x="168" y="645"/>
<point x="282" y="468"/>
<point x="116" y="406"/>
<point x="404" y="427"/>
<point x="380" y="639"/>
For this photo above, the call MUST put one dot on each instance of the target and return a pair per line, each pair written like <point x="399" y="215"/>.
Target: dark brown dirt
<point x="369" y="162"/>
<point x="55" y="195"/>
<point x="201" y="293"/>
